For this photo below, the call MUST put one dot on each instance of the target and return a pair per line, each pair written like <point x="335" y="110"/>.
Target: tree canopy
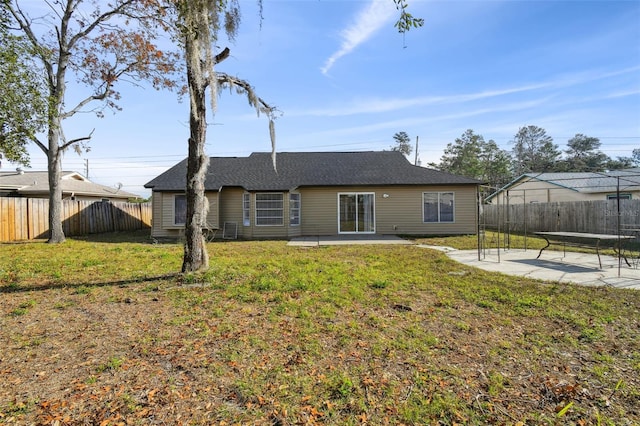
<point x="470" y="155"/>
<point x="584" y="155"/>
<point x="402" y="143"/>
<point x="22" y="99"/>
<point x="534" y="151"/>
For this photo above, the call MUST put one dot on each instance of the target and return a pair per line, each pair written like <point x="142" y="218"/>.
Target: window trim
<point x="297" y="209"/>
<point x="281" y="209"/>
<point x="439" y="194"/>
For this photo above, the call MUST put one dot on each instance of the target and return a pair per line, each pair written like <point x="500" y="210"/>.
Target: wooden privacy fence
<point x="28" y="218"/>
<point x="599" y="217"/>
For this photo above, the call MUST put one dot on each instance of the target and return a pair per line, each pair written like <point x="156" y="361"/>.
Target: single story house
<point x="320" y="193"/>
<point x="35" y="184"/>
<point x="570" y="186"/>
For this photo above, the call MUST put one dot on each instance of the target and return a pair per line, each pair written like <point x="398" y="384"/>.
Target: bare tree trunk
<point x="195" y="253"/>
<point x="54" y="165"/>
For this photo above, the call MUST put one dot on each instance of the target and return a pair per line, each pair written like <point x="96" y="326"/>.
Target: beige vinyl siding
<point x="535" y="191"/>
<point x="157" y="231"/>
<point x="399" y="213"/>
<point x="163" y="225"/>
<point x="402" y="211"/>
<point x="214" y="210"/>
<point x="319" y="210"/>
<point x="231" y="210"/>
<point x="231" y="206"/>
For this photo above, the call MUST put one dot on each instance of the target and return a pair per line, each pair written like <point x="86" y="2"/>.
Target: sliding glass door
<point x="356" y="213"/>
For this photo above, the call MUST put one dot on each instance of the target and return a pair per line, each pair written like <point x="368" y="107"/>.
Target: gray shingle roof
<point x="295" y="169"/>
<point x="37" y="183"/>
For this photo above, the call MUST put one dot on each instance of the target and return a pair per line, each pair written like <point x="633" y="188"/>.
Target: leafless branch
<point x="98" y="21"/>
<point x="40" y="145"/>
<point x="77" y="140"/>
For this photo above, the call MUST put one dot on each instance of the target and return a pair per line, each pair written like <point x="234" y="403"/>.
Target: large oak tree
<point x="96" y="44"/>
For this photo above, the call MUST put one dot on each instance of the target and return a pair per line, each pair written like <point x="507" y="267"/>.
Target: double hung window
<point x="438" y="207"/>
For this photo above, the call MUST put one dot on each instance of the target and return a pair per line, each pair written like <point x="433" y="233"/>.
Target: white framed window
<point x="438" y="207"/>
<point x="246" y="209"/>
<point x="270" y="209"/>
<point x="179" y="209"/>
<point x="294" y="209"/>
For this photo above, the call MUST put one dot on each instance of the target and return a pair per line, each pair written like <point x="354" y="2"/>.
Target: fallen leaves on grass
<point x="267" y="339"/>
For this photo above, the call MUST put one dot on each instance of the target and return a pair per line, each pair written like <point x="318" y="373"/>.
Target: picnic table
<point x="584" y="240"/>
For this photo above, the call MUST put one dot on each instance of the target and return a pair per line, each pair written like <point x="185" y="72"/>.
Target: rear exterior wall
<point x="398" y="210"/>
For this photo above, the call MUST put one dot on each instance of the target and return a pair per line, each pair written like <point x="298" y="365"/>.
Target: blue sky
<point x="346" y="80"/>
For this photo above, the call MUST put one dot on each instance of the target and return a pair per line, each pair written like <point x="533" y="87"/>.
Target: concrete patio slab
<point x="578" y="268"/>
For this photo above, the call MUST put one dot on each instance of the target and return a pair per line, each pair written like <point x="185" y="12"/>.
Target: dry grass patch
<point x="101" y="332"/>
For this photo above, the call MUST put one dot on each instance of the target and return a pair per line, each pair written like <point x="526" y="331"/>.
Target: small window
<point x="294" y="209"/>
<point x="615" y="197"/>
<point x="270" y="209"/>
<point x="438" y="207"/>
<point x="180" y="209"/>
<point x="246" y="209"/>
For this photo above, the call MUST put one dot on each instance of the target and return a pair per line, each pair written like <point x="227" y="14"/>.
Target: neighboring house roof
<point x="584" y="182"/>
<point x="28" y="183"/>
<point x="296" y="169"/>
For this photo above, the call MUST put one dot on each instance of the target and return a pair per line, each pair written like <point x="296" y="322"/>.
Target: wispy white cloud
<point x="623" y="94"/>
<point x="379" y="105"/>
<point x="370" y="19"/>
<point x="372" y="106"/>
<point x="421" y="120"/>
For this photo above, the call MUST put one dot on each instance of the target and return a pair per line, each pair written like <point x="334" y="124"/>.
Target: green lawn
<point x="103" y="331"/>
